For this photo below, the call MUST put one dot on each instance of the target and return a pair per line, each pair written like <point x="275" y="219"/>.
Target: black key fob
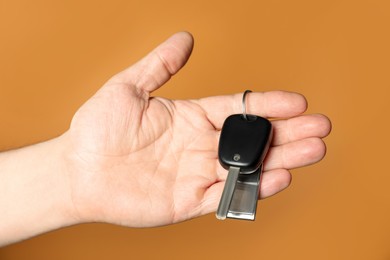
<point x="244" y="142"/>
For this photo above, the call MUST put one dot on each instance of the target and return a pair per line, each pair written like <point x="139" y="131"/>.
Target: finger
<point x="296" y="154"/>
<point x="160" y="65"/>
<point x="301" y="127"/>
<point x="272" y="182"/>
<point x="265" y="104"/>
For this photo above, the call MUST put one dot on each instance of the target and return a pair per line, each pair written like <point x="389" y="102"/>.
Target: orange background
<point x="55" y="54"/>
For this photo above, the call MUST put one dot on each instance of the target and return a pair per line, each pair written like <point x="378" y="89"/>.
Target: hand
<point x="140" y="161"/>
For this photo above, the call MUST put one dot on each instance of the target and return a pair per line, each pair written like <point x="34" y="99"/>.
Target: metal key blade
<point x="227" y="193"/>
<point x="244" y="201"/>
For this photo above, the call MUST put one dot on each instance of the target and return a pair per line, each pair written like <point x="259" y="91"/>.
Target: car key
<point x="243" y="144"/>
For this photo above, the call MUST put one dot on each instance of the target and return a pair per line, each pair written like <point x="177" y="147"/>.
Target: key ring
<point x="244" y="103"/>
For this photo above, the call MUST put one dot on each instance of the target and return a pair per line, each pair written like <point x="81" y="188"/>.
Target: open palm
<point x="138" y="160"/>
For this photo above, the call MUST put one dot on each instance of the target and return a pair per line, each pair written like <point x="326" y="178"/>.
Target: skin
<point x="141" y="161"/>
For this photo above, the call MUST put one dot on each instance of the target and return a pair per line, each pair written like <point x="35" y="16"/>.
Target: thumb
<point x="160" y="65"/>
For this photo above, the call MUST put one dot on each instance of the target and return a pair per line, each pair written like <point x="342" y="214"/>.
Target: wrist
<point x="62" y="181"/>
<point x="36" y="194"/>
